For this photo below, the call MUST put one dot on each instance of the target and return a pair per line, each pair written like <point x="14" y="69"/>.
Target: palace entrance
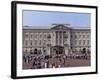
<point x="57" y="50"/>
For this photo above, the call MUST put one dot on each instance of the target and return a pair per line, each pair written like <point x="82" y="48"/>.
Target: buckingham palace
<point x="58" y="38"/>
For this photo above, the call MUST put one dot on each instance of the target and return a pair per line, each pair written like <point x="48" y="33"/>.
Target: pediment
<point x="60" y="27"/>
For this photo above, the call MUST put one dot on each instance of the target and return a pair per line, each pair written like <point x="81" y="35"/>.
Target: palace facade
<point x="59" y="38"/>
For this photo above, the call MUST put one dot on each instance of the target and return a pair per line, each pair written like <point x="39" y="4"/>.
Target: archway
<point x="84" y="50"/>
<point x="58" y="49"/>
<point x="35" y="51"/>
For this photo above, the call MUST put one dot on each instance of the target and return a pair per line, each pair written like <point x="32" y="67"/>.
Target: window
<point x="40" y="42"/>
<point x="44" y="35"/>
<point x="49" y="36"/>
<point x="31" y="35"/>
<point x="31" y="42"/>
<point x="88" y="42"/>
<point x="83" y="42"/>
<point x="26" y="35"/>
<point x="44" y="43"/>
<point x="35" y="42"/>
<point x="75" y="36"/>
<point x="79" y="36"/>
<point x="40" y="35"/>
<point x="79" y="42"/>
<point x="26" y="42"/>
<point x="71" y="36"/>
<point x="78" y="32"/>
<point x="83" y="36"/>
<point x="75" y="42"/>
<point x="25" y="49"/>
<point x="35" y="35"/>
<point x="65" y="35"/>
<point x="88" y="36"/>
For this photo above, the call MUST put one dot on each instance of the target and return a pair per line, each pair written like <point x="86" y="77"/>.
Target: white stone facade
<point x="72" y="39"/>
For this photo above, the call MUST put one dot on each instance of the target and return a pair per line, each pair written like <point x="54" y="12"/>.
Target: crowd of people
<point x="51" y="61"/>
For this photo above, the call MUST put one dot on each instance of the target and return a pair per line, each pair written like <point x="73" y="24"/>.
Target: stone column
<point x="66" y="50"/>
<point x="62" y="38"/>
<point x="48" y="52"/>
<point x="55" y="38"/>
<point x="42" y="50"/>
<point x="58" y="38"/>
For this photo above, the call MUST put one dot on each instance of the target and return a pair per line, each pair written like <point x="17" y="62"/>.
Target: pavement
<point x="56" y="62"/>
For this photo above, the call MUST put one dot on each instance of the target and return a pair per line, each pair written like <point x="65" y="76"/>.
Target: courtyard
<point x="40" y="61"/>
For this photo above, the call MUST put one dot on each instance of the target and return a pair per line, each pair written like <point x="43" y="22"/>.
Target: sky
<point x="44" y="18"/>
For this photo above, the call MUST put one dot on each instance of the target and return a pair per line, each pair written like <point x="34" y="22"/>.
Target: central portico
<point x="60" y="39"/>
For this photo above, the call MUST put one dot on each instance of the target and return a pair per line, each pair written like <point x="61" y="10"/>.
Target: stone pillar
<point x="58" y="38"/>
<point x="55" y="38"/>
<point x="48" y="50"/>
<point x="71" y="51"/>
<point x="45" y="65"/>
<point x="42" y="50"/>
<point x="66" y="50"/>
<point x="62" y="38"/>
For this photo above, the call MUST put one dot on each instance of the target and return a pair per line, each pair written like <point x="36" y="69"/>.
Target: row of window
<point x="36" y="36"/>
<point x="35" y="42"/>
<point x="80" y="47"/>
<point x="80" y="32"/>
<point x="80" y="36"/>
<point x="82" y="42"/>
<point x="60" y="36"/>
<point x="40" y="42"/>
<point x="44" y="36"/>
